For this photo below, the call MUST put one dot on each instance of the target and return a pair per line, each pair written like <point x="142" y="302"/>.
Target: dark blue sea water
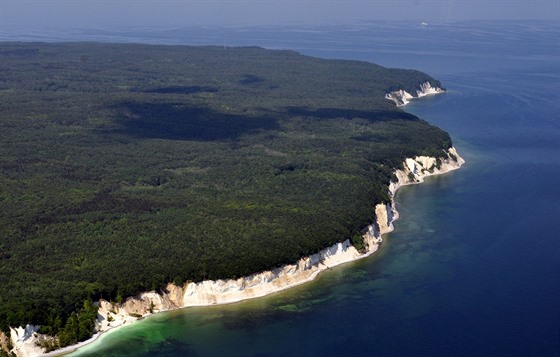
<point x="473" y="267"/>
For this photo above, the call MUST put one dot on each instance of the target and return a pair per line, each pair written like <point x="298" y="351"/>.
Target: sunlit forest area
<point x="125" y="167"/>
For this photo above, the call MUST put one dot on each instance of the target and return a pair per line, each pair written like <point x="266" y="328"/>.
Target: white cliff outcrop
<point x="211" y="292"/>
<point x="25" y="341"/>
<point x="402" y="97"/>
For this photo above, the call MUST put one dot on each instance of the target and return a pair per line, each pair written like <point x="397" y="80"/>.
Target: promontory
<point x="128" y="168"/>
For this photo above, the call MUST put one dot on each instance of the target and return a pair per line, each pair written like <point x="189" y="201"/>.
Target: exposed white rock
<point x="427" y="89"/>
<point x="24" y="341"/>
<point x="416" y="169"/>
<point x="212" y="292"/>
<point x="402" y="97"/>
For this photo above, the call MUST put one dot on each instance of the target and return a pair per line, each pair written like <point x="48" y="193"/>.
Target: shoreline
<point x="209" y="292"/>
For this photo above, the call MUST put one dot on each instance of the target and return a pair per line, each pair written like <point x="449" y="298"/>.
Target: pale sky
<point x="36" y="14"/>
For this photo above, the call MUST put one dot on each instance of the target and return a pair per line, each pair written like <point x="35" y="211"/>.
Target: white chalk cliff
<point x="402" y="97"/>
<point x="212" y="292"/>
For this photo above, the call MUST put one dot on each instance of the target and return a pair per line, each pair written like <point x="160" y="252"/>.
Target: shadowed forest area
<point x="125" y="167"/>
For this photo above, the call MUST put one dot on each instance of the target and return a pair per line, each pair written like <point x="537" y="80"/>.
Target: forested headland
<point x="124" y="167"/>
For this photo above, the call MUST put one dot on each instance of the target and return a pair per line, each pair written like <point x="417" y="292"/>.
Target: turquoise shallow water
<point x="473" y="267"/>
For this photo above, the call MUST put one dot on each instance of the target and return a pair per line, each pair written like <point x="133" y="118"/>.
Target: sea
<point x="473" y="265"/>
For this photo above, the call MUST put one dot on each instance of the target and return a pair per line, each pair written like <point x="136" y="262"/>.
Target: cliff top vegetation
<point x="124" y="167"/>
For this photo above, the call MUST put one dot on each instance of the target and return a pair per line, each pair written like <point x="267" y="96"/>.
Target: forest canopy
<point x="124" y="167"/>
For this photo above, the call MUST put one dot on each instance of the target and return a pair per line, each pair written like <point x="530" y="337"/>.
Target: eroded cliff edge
<point x="401" y="97"/>
<point x="24" y="341"/>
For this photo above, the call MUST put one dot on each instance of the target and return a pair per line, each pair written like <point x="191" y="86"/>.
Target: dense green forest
<point x="124" y="167"/>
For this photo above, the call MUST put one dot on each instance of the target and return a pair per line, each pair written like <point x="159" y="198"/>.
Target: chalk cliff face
<point x="24" y="341"/>
<point x="212" y="292"/>
<point x="402" y="97"/>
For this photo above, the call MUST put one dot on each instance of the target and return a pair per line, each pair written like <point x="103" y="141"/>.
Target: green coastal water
<point x="474" y="263"/>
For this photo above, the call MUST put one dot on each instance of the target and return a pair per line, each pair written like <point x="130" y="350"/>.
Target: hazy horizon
<point x="37" y="15"/>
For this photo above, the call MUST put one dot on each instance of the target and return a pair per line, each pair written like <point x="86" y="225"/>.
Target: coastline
<point x="206" y="293"/>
